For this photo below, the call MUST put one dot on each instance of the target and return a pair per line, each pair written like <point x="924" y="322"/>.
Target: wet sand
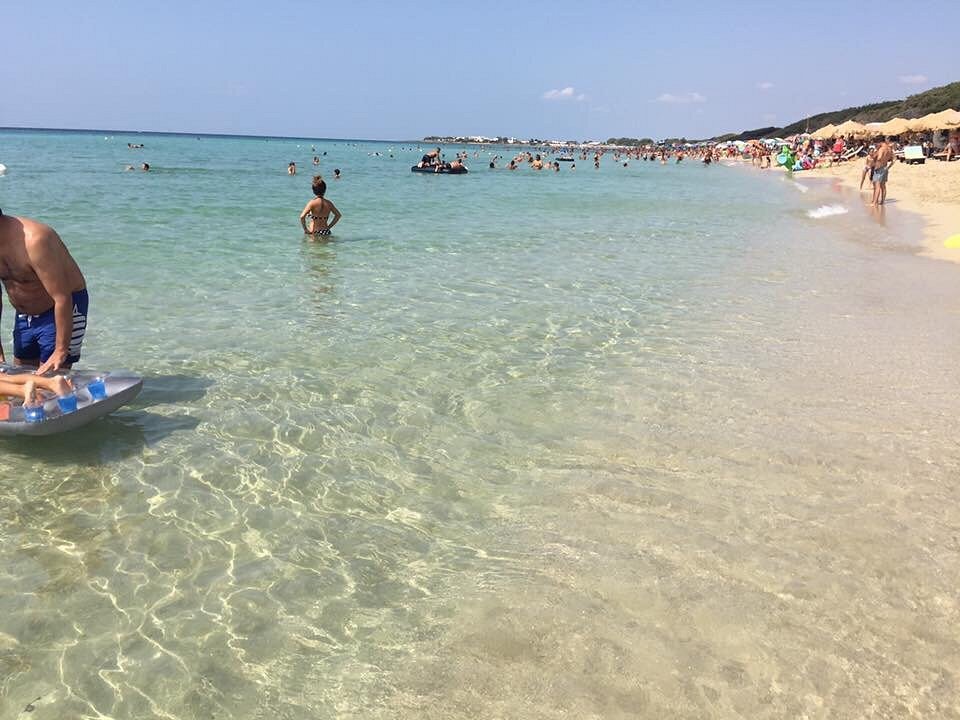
<point x="931" y="190"/>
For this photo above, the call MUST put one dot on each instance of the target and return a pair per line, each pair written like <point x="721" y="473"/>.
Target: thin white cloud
<point x="681" y="98"/>
<point x="567" y="93"/>
<point x="765" y="85"/>
<point x="913" y="79"/>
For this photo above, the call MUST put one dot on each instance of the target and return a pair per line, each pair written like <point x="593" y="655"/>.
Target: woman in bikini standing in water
<point x="319" y="210"/>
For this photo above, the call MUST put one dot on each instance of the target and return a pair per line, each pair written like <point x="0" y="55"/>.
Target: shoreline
<point x="930" y="190"/>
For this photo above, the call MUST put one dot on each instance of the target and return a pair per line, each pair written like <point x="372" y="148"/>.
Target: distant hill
<point x="933" y="100"/>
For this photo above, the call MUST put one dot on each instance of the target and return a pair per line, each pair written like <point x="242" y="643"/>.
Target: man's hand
<point x="53" y="363"/>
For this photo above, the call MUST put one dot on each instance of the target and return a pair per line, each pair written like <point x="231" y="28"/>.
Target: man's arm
<point x="49" y="259"/>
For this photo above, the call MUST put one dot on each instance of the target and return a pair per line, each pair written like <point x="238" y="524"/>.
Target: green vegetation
<point x="933" y="100"/>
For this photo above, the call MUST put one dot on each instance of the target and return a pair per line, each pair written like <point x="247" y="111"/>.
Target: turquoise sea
<point x="643" y="442"/>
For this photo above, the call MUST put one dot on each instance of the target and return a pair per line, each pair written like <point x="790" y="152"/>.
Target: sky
<point x="401" y="71"/>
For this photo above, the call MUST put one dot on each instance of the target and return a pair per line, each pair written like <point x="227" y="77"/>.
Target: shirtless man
<point x="48" y="291"/>
<point x="430" y="159"/>
<point x="319" y="210"/>
<point x="881" y="168"/>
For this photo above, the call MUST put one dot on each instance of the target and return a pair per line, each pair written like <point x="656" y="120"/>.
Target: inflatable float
<point x="441" y="171"/>
<point x="96" y="395"/>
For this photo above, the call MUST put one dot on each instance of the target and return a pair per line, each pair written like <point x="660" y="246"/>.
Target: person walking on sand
<point x="881" y="169"/>
<point x="48" y="291"/>
<point x="319" y="210"/>
<point x="868" y="165"/>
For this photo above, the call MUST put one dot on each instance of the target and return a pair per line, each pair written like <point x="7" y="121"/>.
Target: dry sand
<point x="931" y="190"/>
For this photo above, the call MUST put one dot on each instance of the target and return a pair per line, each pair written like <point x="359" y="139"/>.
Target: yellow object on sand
<point x="952" y="242"/>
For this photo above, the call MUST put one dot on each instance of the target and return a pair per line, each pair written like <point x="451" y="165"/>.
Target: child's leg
<point x="15" y="384"/>
<point x="11" y="388"/>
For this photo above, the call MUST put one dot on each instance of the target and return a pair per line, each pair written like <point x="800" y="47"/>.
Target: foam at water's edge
<point x="827" y="211"/>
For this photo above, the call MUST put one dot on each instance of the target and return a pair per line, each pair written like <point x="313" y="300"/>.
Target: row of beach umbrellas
<point x="945" y="120"/>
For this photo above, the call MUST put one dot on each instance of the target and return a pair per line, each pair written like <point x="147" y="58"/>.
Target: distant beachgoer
<point x="145" y="167"/>
<point x="953" y="145"/>
<point x="336" y="174"/>
<point x="512" y="165"/>
<point x="573" y="166"/>
<point x="838" y="147"/>
<point x="868" y="165"/>
<point x="292" y="168"/>
<point x="48" y="291"/>
<point x="881" y="170"/>
<point x="493" y="165"/>
<point x="316" y="160"/>
<point x="319" y="210"/>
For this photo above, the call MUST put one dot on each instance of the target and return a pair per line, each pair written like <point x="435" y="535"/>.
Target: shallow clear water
<point x="636" y="442"/>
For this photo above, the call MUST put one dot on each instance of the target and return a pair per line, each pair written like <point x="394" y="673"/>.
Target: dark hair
<point x="337" y="171"/>
<point x="318" y="185"/>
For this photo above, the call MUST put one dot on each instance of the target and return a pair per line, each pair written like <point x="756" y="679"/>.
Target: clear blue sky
<point x="396" y="70"/>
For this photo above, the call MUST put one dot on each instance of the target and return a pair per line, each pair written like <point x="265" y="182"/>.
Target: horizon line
<point x="194" y="134"/>
<point x="427" y="138"/>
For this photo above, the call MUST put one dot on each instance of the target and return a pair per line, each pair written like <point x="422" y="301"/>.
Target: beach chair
<point x="851" y="153"/>
<point x="913" y="154"/>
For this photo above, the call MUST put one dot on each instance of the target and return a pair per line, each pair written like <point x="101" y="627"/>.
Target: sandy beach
<point x="932" y="190"/>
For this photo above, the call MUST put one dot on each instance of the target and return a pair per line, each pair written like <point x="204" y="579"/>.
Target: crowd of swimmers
<point x="620" y="156"/>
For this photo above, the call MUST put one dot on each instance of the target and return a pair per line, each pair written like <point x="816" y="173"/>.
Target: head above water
<point x="319" y="186"/>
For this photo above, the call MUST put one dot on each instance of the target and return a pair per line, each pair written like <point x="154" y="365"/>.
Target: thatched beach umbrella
<point x="849" y="128"/>
<point x="896" y="126"/>
<point x="827" y="131"/>
<point x="869" y="130"/>
<point x="945" y="120"/>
